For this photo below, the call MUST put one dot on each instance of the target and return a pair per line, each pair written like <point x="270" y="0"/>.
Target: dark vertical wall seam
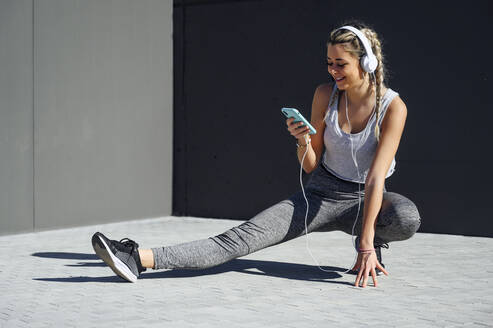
<point x="180" y="147"/>
<point x="184" y="107"/>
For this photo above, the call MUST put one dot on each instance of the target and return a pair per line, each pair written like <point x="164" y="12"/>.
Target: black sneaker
<point x="378" y="251"/>
<point x="121" y="256"/>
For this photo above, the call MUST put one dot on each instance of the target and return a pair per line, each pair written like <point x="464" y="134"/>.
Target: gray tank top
<point x="337" y="157"/>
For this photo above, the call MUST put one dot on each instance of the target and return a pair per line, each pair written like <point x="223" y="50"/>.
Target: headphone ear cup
<point x="364" y="63"/>
<point x="369" y="63"/>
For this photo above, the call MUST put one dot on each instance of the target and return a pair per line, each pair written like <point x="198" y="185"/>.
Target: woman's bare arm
<point x="316" y="146"/>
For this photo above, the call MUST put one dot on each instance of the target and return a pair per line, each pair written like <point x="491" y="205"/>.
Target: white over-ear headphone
<point x="368" y="62"/>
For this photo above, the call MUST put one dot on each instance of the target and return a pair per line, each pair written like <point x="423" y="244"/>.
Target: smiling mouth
<point x="340" y="79"/>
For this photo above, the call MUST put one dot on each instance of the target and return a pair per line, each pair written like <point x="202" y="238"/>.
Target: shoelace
<point x="127" y="243"/>
<point x="386" y="245"/>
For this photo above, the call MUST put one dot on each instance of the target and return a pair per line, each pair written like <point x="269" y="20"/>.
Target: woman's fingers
<point x="374" y="277"/>
<point x="358" y="277"/>
<point x="297" y="129"/>
<point x="365" y="277"/>
<point x="301" y="133"/>
<point x="289" y="120"/>
<point x="381" y="268"/>
<point x="357" y="265"/>
<point x="362" y="278"/>
<point x="292" y="125"/>
<point x="367" y="269"/>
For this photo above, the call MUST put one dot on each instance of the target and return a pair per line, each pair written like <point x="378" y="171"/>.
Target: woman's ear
<point x="362" y="73"/>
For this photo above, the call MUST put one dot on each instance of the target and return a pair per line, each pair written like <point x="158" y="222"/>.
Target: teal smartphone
<point x="293" y="112"/>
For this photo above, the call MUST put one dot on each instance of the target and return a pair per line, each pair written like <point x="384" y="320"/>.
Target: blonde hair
<point x="353" y="45"/>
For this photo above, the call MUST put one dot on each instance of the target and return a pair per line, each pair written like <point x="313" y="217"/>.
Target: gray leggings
<point x="333" y="206"/>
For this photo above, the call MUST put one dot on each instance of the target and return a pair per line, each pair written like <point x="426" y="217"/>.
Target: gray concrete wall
<point x="86" y="112"/>
<point x="16" y="116"/>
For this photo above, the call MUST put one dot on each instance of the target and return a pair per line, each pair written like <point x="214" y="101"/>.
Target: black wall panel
<point x="238" y="62"/>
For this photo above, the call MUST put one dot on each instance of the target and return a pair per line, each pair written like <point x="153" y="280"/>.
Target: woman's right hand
<point x="297" y="130"/>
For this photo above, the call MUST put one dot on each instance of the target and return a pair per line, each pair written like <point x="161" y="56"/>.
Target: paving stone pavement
<point x="53" y="279"/>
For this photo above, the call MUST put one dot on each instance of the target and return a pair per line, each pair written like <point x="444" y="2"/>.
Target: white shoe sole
<point x="114" y="262"/>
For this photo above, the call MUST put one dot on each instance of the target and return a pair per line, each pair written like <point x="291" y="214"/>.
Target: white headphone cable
<point x="307" y="208"/>
<point x="353" y="155"/>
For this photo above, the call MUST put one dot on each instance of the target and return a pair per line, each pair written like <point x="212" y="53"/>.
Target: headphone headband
<point x="368" y="62"/>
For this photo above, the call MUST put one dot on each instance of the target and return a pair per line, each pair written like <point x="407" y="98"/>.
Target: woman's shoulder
<point x="393" y="97"/>
<point x="321" y="100"/>
<point x="388" y="91"/>
<point x="323" y="92"/>
<point x="324" y="89"/>
<point x="396" y="107"/>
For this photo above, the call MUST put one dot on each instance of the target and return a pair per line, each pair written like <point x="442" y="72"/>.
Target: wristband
<point x="366" y="250"/>
<point x="309" y="141"/>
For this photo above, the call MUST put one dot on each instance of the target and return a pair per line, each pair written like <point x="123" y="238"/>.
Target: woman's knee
<point x="400" y="212"/>
<point x="233" y="242"/>
<point x="244" y="239"/>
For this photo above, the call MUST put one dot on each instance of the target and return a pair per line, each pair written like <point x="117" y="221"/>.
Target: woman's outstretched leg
<point x="280" y="222"/>
<point x="146" y="258"/>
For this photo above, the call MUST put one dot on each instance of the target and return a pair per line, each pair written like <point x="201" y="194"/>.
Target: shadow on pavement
<point x="271" y="268"/>
<point x="112" y="279"/>
<point x="284" y="270"/>
<point x="65" y="255"/>
<point x="72" y="256"/>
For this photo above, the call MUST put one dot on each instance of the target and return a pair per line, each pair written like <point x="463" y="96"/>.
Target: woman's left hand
<point x="366" y="265"/>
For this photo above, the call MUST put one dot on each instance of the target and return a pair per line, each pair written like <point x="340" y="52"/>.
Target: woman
<point x="359" y="123"/>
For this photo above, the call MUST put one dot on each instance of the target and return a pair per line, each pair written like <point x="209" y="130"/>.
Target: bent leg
<point x="398" y="219"/>
<point x="280" y="222"/>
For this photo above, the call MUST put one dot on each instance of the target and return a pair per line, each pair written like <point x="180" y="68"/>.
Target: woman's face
<point x="343" y="67"/>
